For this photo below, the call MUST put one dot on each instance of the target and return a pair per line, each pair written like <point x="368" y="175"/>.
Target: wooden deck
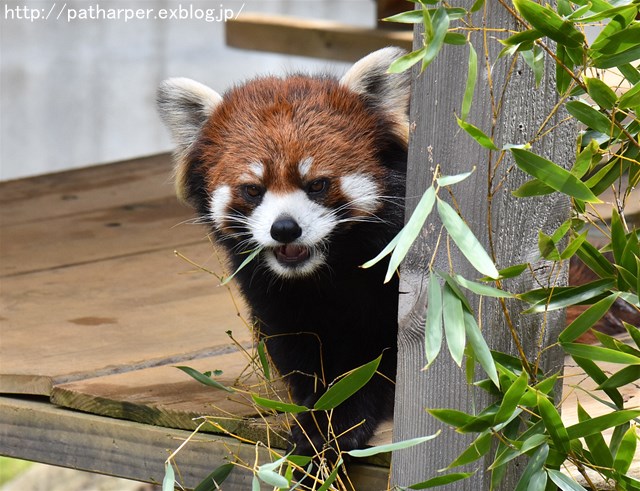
<point x="96" y="312"/>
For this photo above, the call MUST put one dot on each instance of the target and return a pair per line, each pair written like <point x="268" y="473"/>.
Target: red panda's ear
<point x="184" y="106"/>
<point x="388" y="91"/>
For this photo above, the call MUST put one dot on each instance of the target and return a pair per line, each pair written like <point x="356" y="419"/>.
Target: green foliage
<point x="523" y="421"/>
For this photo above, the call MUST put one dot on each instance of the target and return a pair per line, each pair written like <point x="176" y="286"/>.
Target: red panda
<point x="311" y="170"/>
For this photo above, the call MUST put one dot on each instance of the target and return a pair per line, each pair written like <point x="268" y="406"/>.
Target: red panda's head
<point x="284" y="164"/>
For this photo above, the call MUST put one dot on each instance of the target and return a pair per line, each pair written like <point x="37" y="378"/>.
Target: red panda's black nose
<point x="285" y="229"/>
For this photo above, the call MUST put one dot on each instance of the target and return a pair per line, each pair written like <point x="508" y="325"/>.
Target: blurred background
<point x="79" y="91"/>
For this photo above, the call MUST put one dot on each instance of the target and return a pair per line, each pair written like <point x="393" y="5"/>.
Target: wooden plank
<point x="84" y="190"/>
<point x="166" y="396"/>
<point x="97" y="235"/>
<point x="436" y="141"/>
<point x="110" y="316"/>
<point x="34" y="430"/>
<point x="314" y="38"/>
<point x="91" y="214"/>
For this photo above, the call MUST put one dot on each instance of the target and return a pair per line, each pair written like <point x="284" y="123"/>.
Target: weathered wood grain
<point x="67" y="193"/>
<point x="316" y="38"/>
<point x="166" y="396"/>
<point x="436" y="140"/>
<point x="109" y="316"/>
<point x="41" y="432"/>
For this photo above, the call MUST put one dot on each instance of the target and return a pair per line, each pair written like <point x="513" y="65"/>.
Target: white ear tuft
<point x="184" y="106"/>
<point x="388" y="91"/>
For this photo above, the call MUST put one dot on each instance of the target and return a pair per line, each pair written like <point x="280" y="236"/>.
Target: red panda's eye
<point x="253" y="191"/>
<point x="317" y="186"/>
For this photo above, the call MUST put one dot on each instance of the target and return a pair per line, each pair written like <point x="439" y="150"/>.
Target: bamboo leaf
<point x="591" y="117"/>
<point x="564" y="296"/>
<point x="410" y="17"/>
<point x="477" y="134"/>
<point x="534" y="57"/>
<point x="248" y="259"/>
<point x="535" y="463"/>
<point x="454" y="326"/>
<point x="477" y="449"/>
<point x="583" y="162"/>
<point x="433" y="326"/>
<point x="626" y="451"/>
<point x="411" y="231"/>
<point x="455" y="38"/>
<point x="384" y="252"/>
<point x="326" y="486"/>
<point x="466" y="241"/>
<point x="596" y="373"/>
<point x="264" y="362"/>
<point x="472" y="75"/>
<point x="481" y="289"/>
<point x="521" y="37"/>
<point x="535" y="187"/>
<point x="563" y="79"/>
<point x="528" y="444"/>
<point x="169" y="477"/>
<point x="552" y="175"/>
<point x="553" y="423"/>
<point x="538" y="480"/>
<point x="267" y="475"/>
<point x="587" y="319"/>
<point x="212" y="481"/>
<point x="280" y="406"/>
<point x="407" y="235"/>
<point x="545" y="20"/>
<point x="204" y="379"/>
<point x="452" y="417"/>
<point x="601" y="93"/>
<point x="600" y="354"/>
<point x="565" y="483"/>
<point x="596" y="443"/>
<point x="623" y="377"/>
<point x="440" y="23"/>
<point x="391" y="447"/>
<point x="480" y="348"/>
<point x="547" y="247"/>
<point x="511" y="398"/>
<point x="594" y="260"/>
<point x="510" y="272"/>
<point x="347" y="386"/>
<point x="618" y="42"/>
<point x="444" y="181"/>
<point x="631" y="98"/>
<point x="407" y="61"/>
<point x="601" y="423"/>
<point x="574" y="245"/>
<point x="442" y="480"/>
<point x="451" y="180"/>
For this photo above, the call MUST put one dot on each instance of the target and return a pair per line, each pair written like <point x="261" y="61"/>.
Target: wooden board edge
<point x="33" y="430"/>
<point x="251" y="428"/>
<point x="20" y="384"/>
<point x="313" y="38"/>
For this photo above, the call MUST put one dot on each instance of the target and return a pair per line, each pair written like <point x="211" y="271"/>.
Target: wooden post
<point x="436" y="140"/>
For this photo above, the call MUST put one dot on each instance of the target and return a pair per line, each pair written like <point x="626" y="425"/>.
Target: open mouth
<point x="292" y="254"/>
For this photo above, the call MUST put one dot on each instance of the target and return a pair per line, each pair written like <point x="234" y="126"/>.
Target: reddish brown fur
<point x="308" y="117"/>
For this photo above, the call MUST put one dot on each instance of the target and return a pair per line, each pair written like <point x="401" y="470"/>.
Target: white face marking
<point x="304" y="166"/>
<point x="316" y="221"/>
<point x="362" y="191"/>
<point x="256" y="171"/>
<point x="219" y="204"/>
